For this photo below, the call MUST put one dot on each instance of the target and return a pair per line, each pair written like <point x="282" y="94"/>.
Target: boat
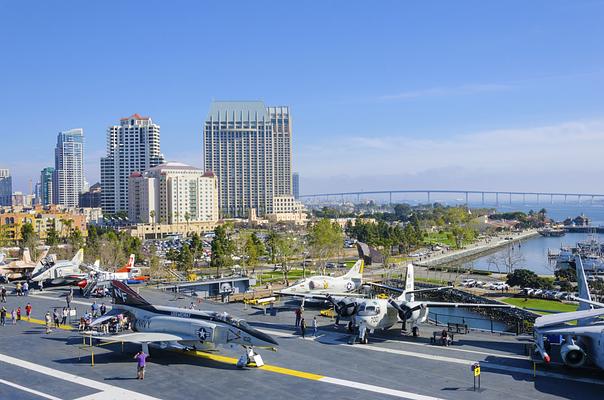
<point x="552" y="232"/>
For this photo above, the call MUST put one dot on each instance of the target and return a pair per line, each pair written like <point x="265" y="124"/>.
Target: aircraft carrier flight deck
<point x="59" y="365"/>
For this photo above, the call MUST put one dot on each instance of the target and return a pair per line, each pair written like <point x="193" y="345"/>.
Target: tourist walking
<point x="55" y="317"/>
<point x="141" y="361"/>
<point x="28" y="311"/>
<point x="18" y="288"/>
<point x="19" y="313"/>
<point x="303" y="327"/>
<point x="95" y="309"/>
<point x="298" y="316"/>
<point x="65" y="314"/>
<point x="3" y="294"/>
<point x="69" y="297"/>
<point x="103" y="309"/>
<point x="25" y="288"/>
<point x="3" y="316"/>
<point x="13" y="316"/>
<point x="314" y="326"/>
<point x="48" y="321"/>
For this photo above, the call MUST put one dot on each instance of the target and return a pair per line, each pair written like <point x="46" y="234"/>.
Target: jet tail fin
<point x="583" y="289"/>
<point x="128" y="267"/>
<point x="409" y="284"/>
<point x="356" y="272"/>
<point x="42" y="255"/>
<point x="26" y="256"/>
<point x="124" y="295"/>
<point x="78" y="258"/>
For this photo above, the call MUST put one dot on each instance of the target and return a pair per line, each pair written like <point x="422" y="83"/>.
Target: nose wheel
<point x="250" y="359"/>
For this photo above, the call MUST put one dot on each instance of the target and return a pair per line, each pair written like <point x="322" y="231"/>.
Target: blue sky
<point x="389" y="94"/>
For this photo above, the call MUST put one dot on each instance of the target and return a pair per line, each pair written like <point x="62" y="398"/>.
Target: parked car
<point x="528" y="291"/>
<point x="538" y="292"/>
<point x="468" y="282"/>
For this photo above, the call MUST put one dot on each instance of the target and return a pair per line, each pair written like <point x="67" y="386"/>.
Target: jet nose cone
<point x="263" y="337"/>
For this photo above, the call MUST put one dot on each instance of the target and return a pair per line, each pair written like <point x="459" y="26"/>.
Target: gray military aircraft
<point x="181" y="328"/>
<point x="582" y="342"/>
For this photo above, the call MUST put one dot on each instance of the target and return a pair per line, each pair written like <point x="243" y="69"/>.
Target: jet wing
<point x="400" y="290"/>
<point x="557" y="319"/>
<point x="570" y="330"/>
<point x="146" y="337"/>
<point x="437" y="304"/>
<point x="320" y="295"/>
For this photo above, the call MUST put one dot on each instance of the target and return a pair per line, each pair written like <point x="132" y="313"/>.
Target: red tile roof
<point x="134" y="116"/>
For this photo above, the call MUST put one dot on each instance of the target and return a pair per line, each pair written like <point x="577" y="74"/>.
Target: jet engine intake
<point x="572" y="354"/>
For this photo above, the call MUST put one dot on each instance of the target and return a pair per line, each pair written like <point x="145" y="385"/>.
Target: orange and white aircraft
<point x="128" y="273"/>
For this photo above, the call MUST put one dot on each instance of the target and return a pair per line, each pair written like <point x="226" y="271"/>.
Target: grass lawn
<point x="540" y="304"/>
<point x="432" y="280"/>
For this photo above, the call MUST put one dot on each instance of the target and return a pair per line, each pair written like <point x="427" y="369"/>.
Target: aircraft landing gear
<point x="363" y="334"/>
<point x="250" y="358"/>
<point x="415" y="331"/>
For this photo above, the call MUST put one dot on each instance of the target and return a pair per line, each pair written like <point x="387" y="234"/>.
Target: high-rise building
<point x="296" y="185"/>
<point x="68" y="177"/>
<point x="248" y="147"/>
<point x="45" y="192"/>
<point x="6" y="187"/>
<point x="133" y="145"/>
<point x="173" y="193"/>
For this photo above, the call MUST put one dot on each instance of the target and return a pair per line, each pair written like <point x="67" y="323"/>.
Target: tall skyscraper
<point x="133" y="145"/>
<point x="46" y="178"/>
<point x="6" y="188"/>
<point x="68" y="178"/>
<point x="296" y="184"/>
<point x="282" y="145"/>
<point x="248" y="147"/>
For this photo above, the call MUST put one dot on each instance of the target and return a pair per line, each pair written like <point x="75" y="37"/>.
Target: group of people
<point x="15" y="314"/>
<point x="22" y="289"/>
<point x="301" y="322"/>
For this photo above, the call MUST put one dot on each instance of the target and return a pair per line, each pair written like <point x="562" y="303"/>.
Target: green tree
<point x="254" y="249"/>
<point x="52" y="235"/>
<point x="76" y="240"/>
<point x="286" y="247"/>
<point x="27" y="232"/>
<point x="526" y="278"/>
<point x="325" y="239"/>
<point x="222" y="249"/>
<point x="29" y="239"/>
<point x="185" y="259"/>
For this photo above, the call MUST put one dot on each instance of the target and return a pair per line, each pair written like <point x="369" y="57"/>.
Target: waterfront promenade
<point x="475" y="249"/>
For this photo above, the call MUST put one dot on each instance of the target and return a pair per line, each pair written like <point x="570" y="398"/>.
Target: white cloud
<point x="555" y="157"/>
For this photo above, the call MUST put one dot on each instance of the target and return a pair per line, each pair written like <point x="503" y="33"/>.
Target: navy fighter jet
<point x="181" y="328"/>
<point x="583" y="341"/>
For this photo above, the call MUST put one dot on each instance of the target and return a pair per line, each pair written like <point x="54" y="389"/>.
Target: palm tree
<point x="152" y="216"/>
<point x="187" y="218"/>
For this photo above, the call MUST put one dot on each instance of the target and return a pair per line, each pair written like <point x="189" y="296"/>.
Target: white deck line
<point x="28" y="390"/>
<point x="107" y="391"/>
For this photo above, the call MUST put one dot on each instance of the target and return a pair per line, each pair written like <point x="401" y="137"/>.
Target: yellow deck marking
<point x="292" y="372"/>
<point x="270" y="368"/>
<point x="52" y="325"/>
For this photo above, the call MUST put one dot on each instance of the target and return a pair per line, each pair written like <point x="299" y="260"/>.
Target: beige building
<point x="287" y="209"/>
<point x="173" y="193"/>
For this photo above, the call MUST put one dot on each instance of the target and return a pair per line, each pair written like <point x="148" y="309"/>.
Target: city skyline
<point x="507" y="110"/>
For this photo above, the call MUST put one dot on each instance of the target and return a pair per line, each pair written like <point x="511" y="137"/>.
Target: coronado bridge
<point x="477" y="196"/>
